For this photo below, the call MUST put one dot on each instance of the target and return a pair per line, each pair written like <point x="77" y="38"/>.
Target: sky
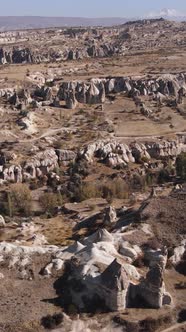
<point x="91" y="8"/>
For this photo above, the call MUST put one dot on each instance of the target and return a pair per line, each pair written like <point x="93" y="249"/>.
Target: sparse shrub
<point x="19" y="199"/>
<point x="137" y="182"/>
<point x="88" y="190"/>
<point x="182" y="316"/>
<point x="82" y="168"/>
<point x="59" y="144"/>
<point x="50" y="322"/>
<point x="50" y="201"/>
<point x="149" y="179"/>
<point x="163" y="176"/>
<point x="109" y="200"/>
<point x="115" y="189"/>
<point x="34" y="184"/>
<point x="23" y="113"/>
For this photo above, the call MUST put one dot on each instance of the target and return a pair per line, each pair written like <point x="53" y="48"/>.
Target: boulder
<point x="178" y="253"/>
<point x="125" y="249"/>
<point x="110" y="216"/>
<point x="2" y="222"/>
<point x="155" y="257"/>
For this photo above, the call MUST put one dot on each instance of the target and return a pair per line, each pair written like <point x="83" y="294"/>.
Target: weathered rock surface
<point x="98" y="267"/>
<point x="178" y="253"/>
<point x="116" y="154"/>
<point x="65" y="156"/>
<point x="2" y="222"/>
<point x="96" y="90"/>
<point x="110" y="216"/>
<point x="155" y="257"/>
<point x="152" y="289"/>
<point x="109" y="152"/>
<point x="41" y="164"/>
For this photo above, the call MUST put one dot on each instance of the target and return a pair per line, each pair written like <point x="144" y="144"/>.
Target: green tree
<point x="181" y="166"/>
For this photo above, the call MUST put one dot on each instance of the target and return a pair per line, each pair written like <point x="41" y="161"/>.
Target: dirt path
<point x="49" y="132"/>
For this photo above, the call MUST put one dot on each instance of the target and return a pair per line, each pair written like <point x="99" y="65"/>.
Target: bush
<point x="50" y="201"/>
<point x="34" y="184"/>
<point x="23" y="113"/>
<point x="150" y="179"/>
<point x="138" y="182"/>
<point x="163" y="176"/>
<point x="81" y="167"/>
<point x="115" y="189"/>
<point x="50" y="322"/>
<point x="88" y="190"/>
<point x="181" y="166"/>
<point x="81" y="191"/>
<point x="182" y="316"/>
<point x="19" y="199"/>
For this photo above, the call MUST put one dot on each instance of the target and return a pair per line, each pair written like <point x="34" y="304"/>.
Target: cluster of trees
<point x="19" y="196"/>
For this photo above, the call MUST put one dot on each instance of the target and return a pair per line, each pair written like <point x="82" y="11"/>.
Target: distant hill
<point x="36" y="22"/>
<point x="8" y="23"/>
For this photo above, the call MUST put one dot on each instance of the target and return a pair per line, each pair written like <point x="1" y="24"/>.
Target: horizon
<point x="96" y="9"/>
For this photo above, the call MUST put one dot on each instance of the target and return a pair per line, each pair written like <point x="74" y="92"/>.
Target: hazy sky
<point x="89" y="8"/>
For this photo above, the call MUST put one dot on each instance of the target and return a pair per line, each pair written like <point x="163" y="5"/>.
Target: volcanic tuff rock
<point x="2" y="222"/>
<point x="65" y="44"/>
<point x="100" y="271"/>
<point x="115" y="154"/>
<point x="41" y="164"/>
<point x="95" y="91"/>
<point x="152" y="288"/>
<point x="178" y="253"/>
<point x="110" y="152"/>
<point x="99" y="268"/>
<point x="110" y="216"/>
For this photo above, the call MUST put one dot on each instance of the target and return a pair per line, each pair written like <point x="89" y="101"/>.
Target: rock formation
<point x="152" y="288"/>
<point x="110" y="216"/>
